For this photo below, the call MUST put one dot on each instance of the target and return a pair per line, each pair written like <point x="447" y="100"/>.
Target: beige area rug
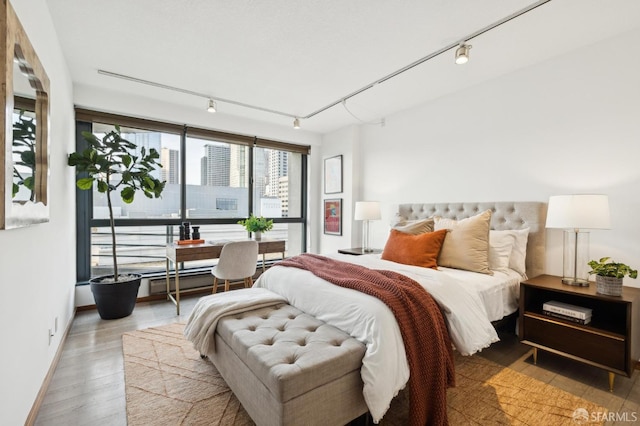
<point x="167" y="383"/>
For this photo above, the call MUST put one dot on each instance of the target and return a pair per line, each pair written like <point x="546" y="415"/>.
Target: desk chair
<point x="237" y="261"/>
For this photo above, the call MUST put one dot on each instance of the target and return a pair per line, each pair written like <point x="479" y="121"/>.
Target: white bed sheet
<point x="499" y="292"/>
<point x="385" y="370"/>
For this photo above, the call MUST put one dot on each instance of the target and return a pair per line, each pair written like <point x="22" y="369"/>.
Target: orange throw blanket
<point x="424" y="332"/>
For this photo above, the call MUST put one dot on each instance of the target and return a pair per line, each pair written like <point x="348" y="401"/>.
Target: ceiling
<point x="296" y="57"/>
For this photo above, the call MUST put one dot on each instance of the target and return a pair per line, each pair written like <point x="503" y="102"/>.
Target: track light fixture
<point x="212" y="106"/>
<point x="296" y="123"/>
<point x="462" y="53"/>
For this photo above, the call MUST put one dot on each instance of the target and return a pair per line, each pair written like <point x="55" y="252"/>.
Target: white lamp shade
<point x="582" y="211"/>
<point x="367" y="210"/>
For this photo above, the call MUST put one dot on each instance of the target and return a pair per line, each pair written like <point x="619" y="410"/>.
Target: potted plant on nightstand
<point x="114" y="163"/>
<point x="609" y="276"/>
<point x="257" y="225"/>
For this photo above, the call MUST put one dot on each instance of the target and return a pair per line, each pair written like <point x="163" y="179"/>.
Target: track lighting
<point x="461" y="57"/>
<point x="462" y="53"/>
<point x="212" y="106"/>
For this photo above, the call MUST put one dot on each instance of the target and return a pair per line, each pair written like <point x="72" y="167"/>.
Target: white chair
<point x="237" y="261"/>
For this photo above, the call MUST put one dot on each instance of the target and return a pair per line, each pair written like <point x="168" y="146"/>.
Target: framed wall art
<point x="333" y="216"/>
<point x="333" y="175"/>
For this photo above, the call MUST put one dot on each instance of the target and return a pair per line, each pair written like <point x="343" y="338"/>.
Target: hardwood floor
<point x="88" y="384"/>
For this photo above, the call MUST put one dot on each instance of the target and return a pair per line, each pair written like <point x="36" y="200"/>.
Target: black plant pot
<point x="115" y="300"/>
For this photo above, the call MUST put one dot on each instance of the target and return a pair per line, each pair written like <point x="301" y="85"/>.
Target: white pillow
<point x="500" y="247"/>
<point x="517" y="260"/>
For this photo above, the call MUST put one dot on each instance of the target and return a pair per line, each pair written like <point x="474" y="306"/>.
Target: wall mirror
<point x="25" y="136"/>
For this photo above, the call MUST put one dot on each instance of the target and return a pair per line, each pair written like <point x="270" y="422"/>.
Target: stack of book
<point x="568" y="312"/>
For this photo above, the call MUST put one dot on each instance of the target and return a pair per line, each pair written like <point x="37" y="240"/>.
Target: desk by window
<point x="209" y="250"/>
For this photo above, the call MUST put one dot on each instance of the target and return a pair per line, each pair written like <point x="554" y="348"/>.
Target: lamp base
<point x="575" y="282"/>
<point x="367" y="250"/>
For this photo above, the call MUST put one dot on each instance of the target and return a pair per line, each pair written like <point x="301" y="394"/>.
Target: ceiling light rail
<point x="462" y="50"/>
<point x="430" y="56"/>
<point x="193" y="93"/>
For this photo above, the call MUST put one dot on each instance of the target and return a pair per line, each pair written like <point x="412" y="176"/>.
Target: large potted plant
<point x="257" y="225"/>
<point x="116" y="164"/>
<point x="609" y="275"/>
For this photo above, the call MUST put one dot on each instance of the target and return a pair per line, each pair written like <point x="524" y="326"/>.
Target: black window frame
<point x="84" y="199"/>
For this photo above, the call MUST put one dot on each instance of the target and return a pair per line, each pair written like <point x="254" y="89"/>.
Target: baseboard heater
<point x="158" y="285"/>
<point x="190" y="280"/>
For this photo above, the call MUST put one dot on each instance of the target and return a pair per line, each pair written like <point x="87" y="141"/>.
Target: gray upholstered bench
<point x="288" y="368"/>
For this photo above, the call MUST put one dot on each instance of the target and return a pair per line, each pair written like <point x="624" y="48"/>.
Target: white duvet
<point x="385" y="370"/>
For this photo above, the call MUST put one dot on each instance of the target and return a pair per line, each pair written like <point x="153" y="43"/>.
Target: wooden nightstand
<point x="357" y="251"/>
<point x="608" y="342"/>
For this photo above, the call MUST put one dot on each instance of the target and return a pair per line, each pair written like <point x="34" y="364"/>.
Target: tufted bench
<point x="288" y="368"/>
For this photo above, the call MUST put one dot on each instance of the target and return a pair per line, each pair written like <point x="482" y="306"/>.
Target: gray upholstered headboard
<point x="506" y="215"/>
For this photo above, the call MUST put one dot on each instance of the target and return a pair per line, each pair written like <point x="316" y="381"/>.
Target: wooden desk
<point x="209" y="250"/>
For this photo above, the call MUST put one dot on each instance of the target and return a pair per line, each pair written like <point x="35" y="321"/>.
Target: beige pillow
<point x="415" y="227"/>
<point x="466" y="245"/>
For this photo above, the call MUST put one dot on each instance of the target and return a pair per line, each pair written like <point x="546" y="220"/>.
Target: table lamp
<point x="366" y="211"/>
<point x="575" y="214"/>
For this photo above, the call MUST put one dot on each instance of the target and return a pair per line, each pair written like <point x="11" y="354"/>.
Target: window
<point x="216" y="170"/>
<point x="168" y="145"/>
<point x="277" y="190"/>
<point x="213" y="180"/>
<point x="226" y="204"/>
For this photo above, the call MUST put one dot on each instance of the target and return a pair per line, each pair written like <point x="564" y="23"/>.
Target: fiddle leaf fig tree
<point x="116" y="164"/>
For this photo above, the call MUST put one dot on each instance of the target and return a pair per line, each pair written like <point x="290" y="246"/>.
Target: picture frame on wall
<point x="333" y="175"/>
<point x="333" y="216"/>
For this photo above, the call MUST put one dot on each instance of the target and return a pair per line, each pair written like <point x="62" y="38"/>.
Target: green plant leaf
<point x="28" y="183"/>
<point x="85" y="183"/>
<point x="127" y="194"/>
<point x="149" y="182"/>
<point x="28" y="158"/>
<point x="102" y="186"/>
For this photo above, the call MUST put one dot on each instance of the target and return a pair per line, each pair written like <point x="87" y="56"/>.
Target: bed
<point x="469" y="301"/>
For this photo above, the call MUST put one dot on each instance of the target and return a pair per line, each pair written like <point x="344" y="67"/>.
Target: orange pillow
<point x="418" y="250"/>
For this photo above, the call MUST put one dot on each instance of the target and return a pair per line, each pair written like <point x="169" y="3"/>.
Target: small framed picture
<point x="333" y="175"/>
<point x="333" y="216"/>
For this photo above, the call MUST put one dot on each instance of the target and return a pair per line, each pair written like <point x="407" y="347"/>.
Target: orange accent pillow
<point x="418" y="250"/>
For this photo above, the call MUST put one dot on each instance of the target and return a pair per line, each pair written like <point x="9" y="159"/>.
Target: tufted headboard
<point x="506" y="215"/>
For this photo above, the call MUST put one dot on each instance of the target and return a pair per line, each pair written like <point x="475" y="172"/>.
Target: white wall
<point x="37" y="265"/>
<point x="569" y="125"/>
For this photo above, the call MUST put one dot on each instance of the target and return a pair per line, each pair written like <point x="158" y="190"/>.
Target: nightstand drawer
<point x="592" y="345"/>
